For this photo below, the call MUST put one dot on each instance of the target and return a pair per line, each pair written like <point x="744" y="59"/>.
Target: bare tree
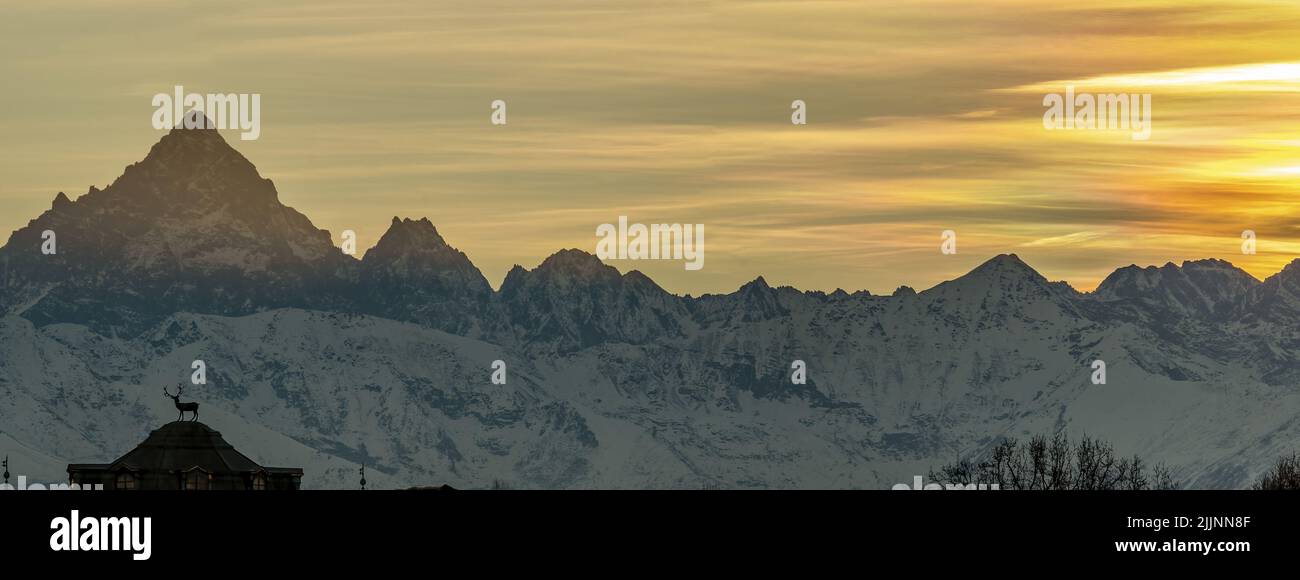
<point x="1162" y="477"/>
<point x="1056" y="464"/>
<point x="1285" y="474"/>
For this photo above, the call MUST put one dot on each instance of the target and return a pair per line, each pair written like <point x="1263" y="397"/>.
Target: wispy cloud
<point x="923" y="116"/>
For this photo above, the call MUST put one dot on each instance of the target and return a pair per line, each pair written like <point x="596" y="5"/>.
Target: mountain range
<point x="319" y="359"/>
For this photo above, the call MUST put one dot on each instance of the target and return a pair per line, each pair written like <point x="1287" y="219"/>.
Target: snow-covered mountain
<point x="192" y="227"/>
<point x="1201" y="289"/>
<point x="412" y="274"/>
<point x="320" y="360"/>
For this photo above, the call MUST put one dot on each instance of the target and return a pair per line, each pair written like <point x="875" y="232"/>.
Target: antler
<point x="165" y="393"/>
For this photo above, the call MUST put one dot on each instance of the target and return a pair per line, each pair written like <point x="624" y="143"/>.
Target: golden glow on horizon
<point x="1273" y="77"/>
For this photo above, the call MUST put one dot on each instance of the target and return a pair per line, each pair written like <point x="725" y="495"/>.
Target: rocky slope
<point x="321" y="360"/>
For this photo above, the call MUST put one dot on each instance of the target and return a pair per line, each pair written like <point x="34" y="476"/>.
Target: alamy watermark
<point x="918" y="484"/>
<point x="24" y="486"/>
<point x="240" y="111"/>
<point x="74" y="533"/>
<point x="1112" y="111"/>
<point x="651" y="242"/>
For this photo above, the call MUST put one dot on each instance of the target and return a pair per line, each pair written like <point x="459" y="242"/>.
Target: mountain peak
<point x="413" y="234"/>
<point x="1207" y="264"/>
<point x="1198" y="286"/>
<point x="1005" y="278"/>
<point x="575" y="261"/>
<point x="756" y="300"/>
<point x="201" y="136"/>
<point x="1292" y="268"/>
<point x="414" y="250"/>
<point x="903" y="291"/>
<point x="195" y="168"/>
<point x="1277" y="297"/>
<point x="413" y="274"/>
<point x="195" y="120"/>
<point x="1288" y="276"/>
<point x="190" y="227"/>
<point x="573" y="300"/>
<point x="1006" y="263"/>
<point x="995" y="270"/>
<point x="758" y="283"/>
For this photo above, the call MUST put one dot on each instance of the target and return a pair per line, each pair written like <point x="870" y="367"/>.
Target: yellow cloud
<point x="1261" y="77"/>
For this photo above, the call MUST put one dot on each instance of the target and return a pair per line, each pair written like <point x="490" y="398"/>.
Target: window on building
<point x="259" y="482"/>
<point x="196" y="479"/>
<point x="125" y="480"/>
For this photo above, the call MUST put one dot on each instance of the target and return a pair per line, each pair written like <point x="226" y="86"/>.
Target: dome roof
<point x="184" y="445"/>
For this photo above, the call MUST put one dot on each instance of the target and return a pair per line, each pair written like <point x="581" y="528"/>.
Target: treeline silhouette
<point x="1056" y="463"/>
<point x="1285" y="474"/>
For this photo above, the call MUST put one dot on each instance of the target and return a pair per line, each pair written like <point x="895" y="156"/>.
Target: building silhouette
<point x="184" y="455"/>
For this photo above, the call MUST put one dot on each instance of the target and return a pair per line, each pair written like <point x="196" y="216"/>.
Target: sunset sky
<point x="923" y="116"/>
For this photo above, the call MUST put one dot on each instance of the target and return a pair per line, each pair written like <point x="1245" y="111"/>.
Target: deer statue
<point x="182" y="407"/>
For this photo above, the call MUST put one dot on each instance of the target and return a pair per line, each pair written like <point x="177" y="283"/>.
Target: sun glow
<point x="1282" y="76"/>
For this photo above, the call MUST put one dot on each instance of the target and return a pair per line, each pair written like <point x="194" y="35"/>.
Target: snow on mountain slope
<point x="1205" y="288"/>
<point x="573" y="300"/>
<point x="191" y="227"/>
<point x="32" y="464"/>
<point x="895" y="388"/>
<point x="412" y="403"/>
<point x="319" y="360"/>
<point x="412" y="274"/>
